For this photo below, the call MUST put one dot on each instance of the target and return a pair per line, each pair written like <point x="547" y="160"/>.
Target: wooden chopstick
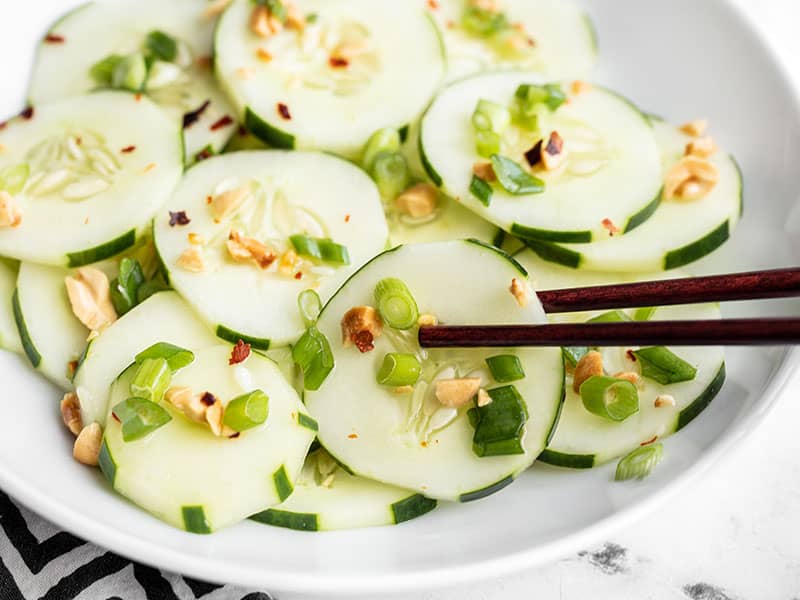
<point x="725" y="332"/>
<point x="779" y="283"/>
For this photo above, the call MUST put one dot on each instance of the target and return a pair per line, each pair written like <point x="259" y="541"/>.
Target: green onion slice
<point x="500" y="425"/>
<point x="490" y="116"/>
<point x="384" y="140"/>
<point x="151" y="379"/>
<point x="247" y="411"/>
<point x="487" y="143"/>
<point x="612" y="316"/>
<point x="505" y="368"/>
<point x="162" y="46"/>
<point x="125" y="288"/>
<point x="313" y="354"/>
<point x="148" y="288"/>
<point x="644" y="314"/>
<point x="102" y="72"/>
<point x="391" y="174"/>
<point x="481" y="190"/>
<point x="639" y="463"/>
<point x="610" y="398"/>
<point x="176" y="357"/>
<point x="395" y="304"/>
<point x="550" y="95"/>
<point x="310" y="305"/>
<point x="399" y="369"/>
<point x="482" y="22"/>
<point x="14" y="178"/>
<point x="662" y="365"/>
<point x="514" y="179"/>
<point x="572" y="354"/>
<point x="130" y="73"/>
<point x="322" y="249"/>
<point x="140" y="417"/>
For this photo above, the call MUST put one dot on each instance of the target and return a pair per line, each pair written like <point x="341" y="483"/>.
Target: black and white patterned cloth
<point x="38" y="561"/>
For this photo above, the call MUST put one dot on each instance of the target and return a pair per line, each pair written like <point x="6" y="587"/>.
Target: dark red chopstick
<point x="730" y="332"/>
<point x="780" y="283"/>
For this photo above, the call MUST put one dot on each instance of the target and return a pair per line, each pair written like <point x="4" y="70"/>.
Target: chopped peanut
<point x="553" y="152"/>
<point x="455" y="393"/>
<point x="295" y="19"/>
<point x="191" y="405"/>
<point x="71" y="412"/>
<point x="702" y="147"/>
<point x="259" y="21"/>
<point x="214" y="414"/>
<point x="664" y="400"/>
<point x="228" y="202"/>
<point x="630" y="376"/>
<point x="86" y="449"/>
<point x="275" y="26"/>
<point x="695" y="128"/>
<point x="247" y="248"/>
<point x="192" y="260"/>
<point x="690" y="179"/>
<point x="427" y="321"/>
<point x="196" y="239"/>
<point x="590" y="365"/>
<point x="287" y="263"/>
<point x="484" y="399"/>
<point x="10" y="214"/>
<point x="89" y="295"/>
<point x="418" y="201"/>
<point x="484" y="170"/>
<point x="360" y="326"/>
<point x="216" y="8"/>
<point x="520" y="292"/>
<point x="263" y="55"/>
<point x="579" y="87"/>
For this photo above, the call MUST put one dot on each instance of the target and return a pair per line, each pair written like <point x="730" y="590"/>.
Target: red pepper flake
<point x="433" y="4"/>
<point x="208" y="399"/>
<point x="178" y="218"/>
<point x="72" y="366"/>
<point x="631" y="356"/>
<point x="204" y="154"/>
<point x="27" y="114"/>
<point x="364" y="341"/>
<point x="239" y="353"/>
<point x="347" y="218"/>
<point x="283" y="111"/>
<point x="534" y="155"/>
<point x="222" y="122"/>
<point x="531" y="42"/>
<point x="337" y="62"/>
<point x="192" y="117"/>
<point x="610" y="227"/>
<point x="128" y="149"/>
<point x="116" y="418"/>
<point x="79" y="140"/>
<point x="3" y="125"/>
<point x="352" y="436"/>
<point x="52" y="38"/>
<point x="209" y="199"/>
<point x="138" y="97"/>
<point x="451" y="24"/>
<point x="298" y="275"/>
<point x="233" y="436"/>
<point x="648" y="442"/>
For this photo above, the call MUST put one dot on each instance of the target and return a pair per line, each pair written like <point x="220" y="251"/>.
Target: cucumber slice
<point x="85" y="199"/>
<point x="451" y="222"/>
<point x="184" y="475"/>
<point x="327" y="498"/>
<point x="565" y="45"/>
<point x="164" y="317"/>
<point x="9" y="336"/>
<point x="53" y="336"/>
<point x="289" y="193"/>
<point x="613" y="161"/>
<point x="677" y="234"/>
<point x="583" y="440"/>
<point x="398" y="67"/>
<point x="375" y="432"/>
<point x="97" y="30"/>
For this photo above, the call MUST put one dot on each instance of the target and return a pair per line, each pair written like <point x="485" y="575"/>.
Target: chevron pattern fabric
<point x="39" y="562"/>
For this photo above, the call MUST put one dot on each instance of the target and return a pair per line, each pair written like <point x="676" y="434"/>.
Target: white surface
<point x="730" y="528"/>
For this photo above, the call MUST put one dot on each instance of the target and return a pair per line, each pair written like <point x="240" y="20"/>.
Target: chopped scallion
<point x="482" y="22"/>
<point x="322" y="249"/>
<point x="639" y="463"/>
<point x="246" y="411"/>
<point x="148" y="288"/>
<point x="505" y="368"/>
<point x="399" y="369"/>
<point x="644" y="314"/>
<point x="310" y="305"/>
<point x="500" y="425"/>
<point x="14" y="178"/>
<point x="487" y="143"/>
<point x="610" y="398"/>
<point x="396" y="304"/>
<point x="103" y="71"/>
<point x="125" y="287"/>
<point x="151" y="379"/>
<point x="612" y="316"/>
<point x="514" y="179"/>
<point x="313" y="354"/>
<point x="664" y="366"/>
<point x="130" y="73"/>
<point x="162" y="46"/>
<point x="383" y="140"/>
<point x="491" y="116"/>
<point x="139" y="417"/>
<point x="481" y="189"/>
<point x="391" y="174"/>
<point x="176" y="357"/>
<point x="550" y="95"/>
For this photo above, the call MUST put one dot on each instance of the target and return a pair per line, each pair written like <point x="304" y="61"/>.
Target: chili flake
<point x="233" y="436"/>
<point x="209" y="199"/>
<point x="27" y="114"/>
<point x="239" y="353"/>
<point x="364" y="341"/>
<point x="631" y="356"/>
<point x="128" y="149"/>
<point x="283" y="111"/>
<point x="52" y="38"/>
<point x="193" y="116"/>
<point x="116" y="418"/>
<point x="352" y="436"/>
<point x="347" y="218"/>
<point x="298" y="275"/>
<point x="178" y="218"/>
<point x="208" y="399"/>
<point x="534" y="155"/>
<point x="610" y="227"/>
<point x="648" y="442"/>
<point x="204" y="154"/>
<point x="433" y="4"/>
<point x="72" y="366"/>
<point x="337" y="62"/>
<point x="222" y="122"/>
<point x="138" y="97"/>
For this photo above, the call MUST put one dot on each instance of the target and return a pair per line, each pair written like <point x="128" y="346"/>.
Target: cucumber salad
<point x="223" y="222"/>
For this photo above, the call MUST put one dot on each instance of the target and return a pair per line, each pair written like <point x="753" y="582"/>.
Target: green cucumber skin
<point x="570" y="461"/>
<point x="644" y="214"/>
<point x="412" y="507"/>
<point x="555" y="254"/>
<point x="426" y="164"/>
<point x="233" y="337"/>
<point x="699" y="404"/>
<point x="194" y="520"/>
<point x="305" y="421"/>
<point x="288" y="520"/>
<point x="546" y="235"/>
<point x="107" y="464"/>
<point x="592" y="33"/>
<point x="520" y="269"/>
<point x="27" y="344"/>
<point x="266" y="132"/>
<point x="560" y="409"/>
<point x="283" y="485"/>
<point x="103" y="251"/>
<point x="487" y="491"/>
<point x="698" y="249"/>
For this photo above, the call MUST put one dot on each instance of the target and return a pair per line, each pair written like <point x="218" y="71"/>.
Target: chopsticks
<point x="781" y="283"/>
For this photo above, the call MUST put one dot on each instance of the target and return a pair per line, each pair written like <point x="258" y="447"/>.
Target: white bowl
<point x="680" y="59"/>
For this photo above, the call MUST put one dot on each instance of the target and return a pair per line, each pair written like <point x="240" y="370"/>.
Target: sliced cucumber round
<point x="52" y="336"/>
<point x="287" y="194"/>
<point x="584" y="440"/>
<point x="94" y="169"/>
<point x="189" y="478"/>
<point x="410" y="439"/>
<point x="677" y="234"/>
<point x="164" y="317"/>
<point x="611" y="172"/>
<point x="564" y="43"/>
<point x="359" y="67"/>
<point x="9" y="335"/>
<point x="327" y="498"/>
<point x="97" y="30"/>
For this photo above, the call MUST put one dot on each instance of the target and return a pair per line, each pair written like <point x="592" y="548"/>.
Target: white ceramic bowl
<point x="680" y="59"/>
